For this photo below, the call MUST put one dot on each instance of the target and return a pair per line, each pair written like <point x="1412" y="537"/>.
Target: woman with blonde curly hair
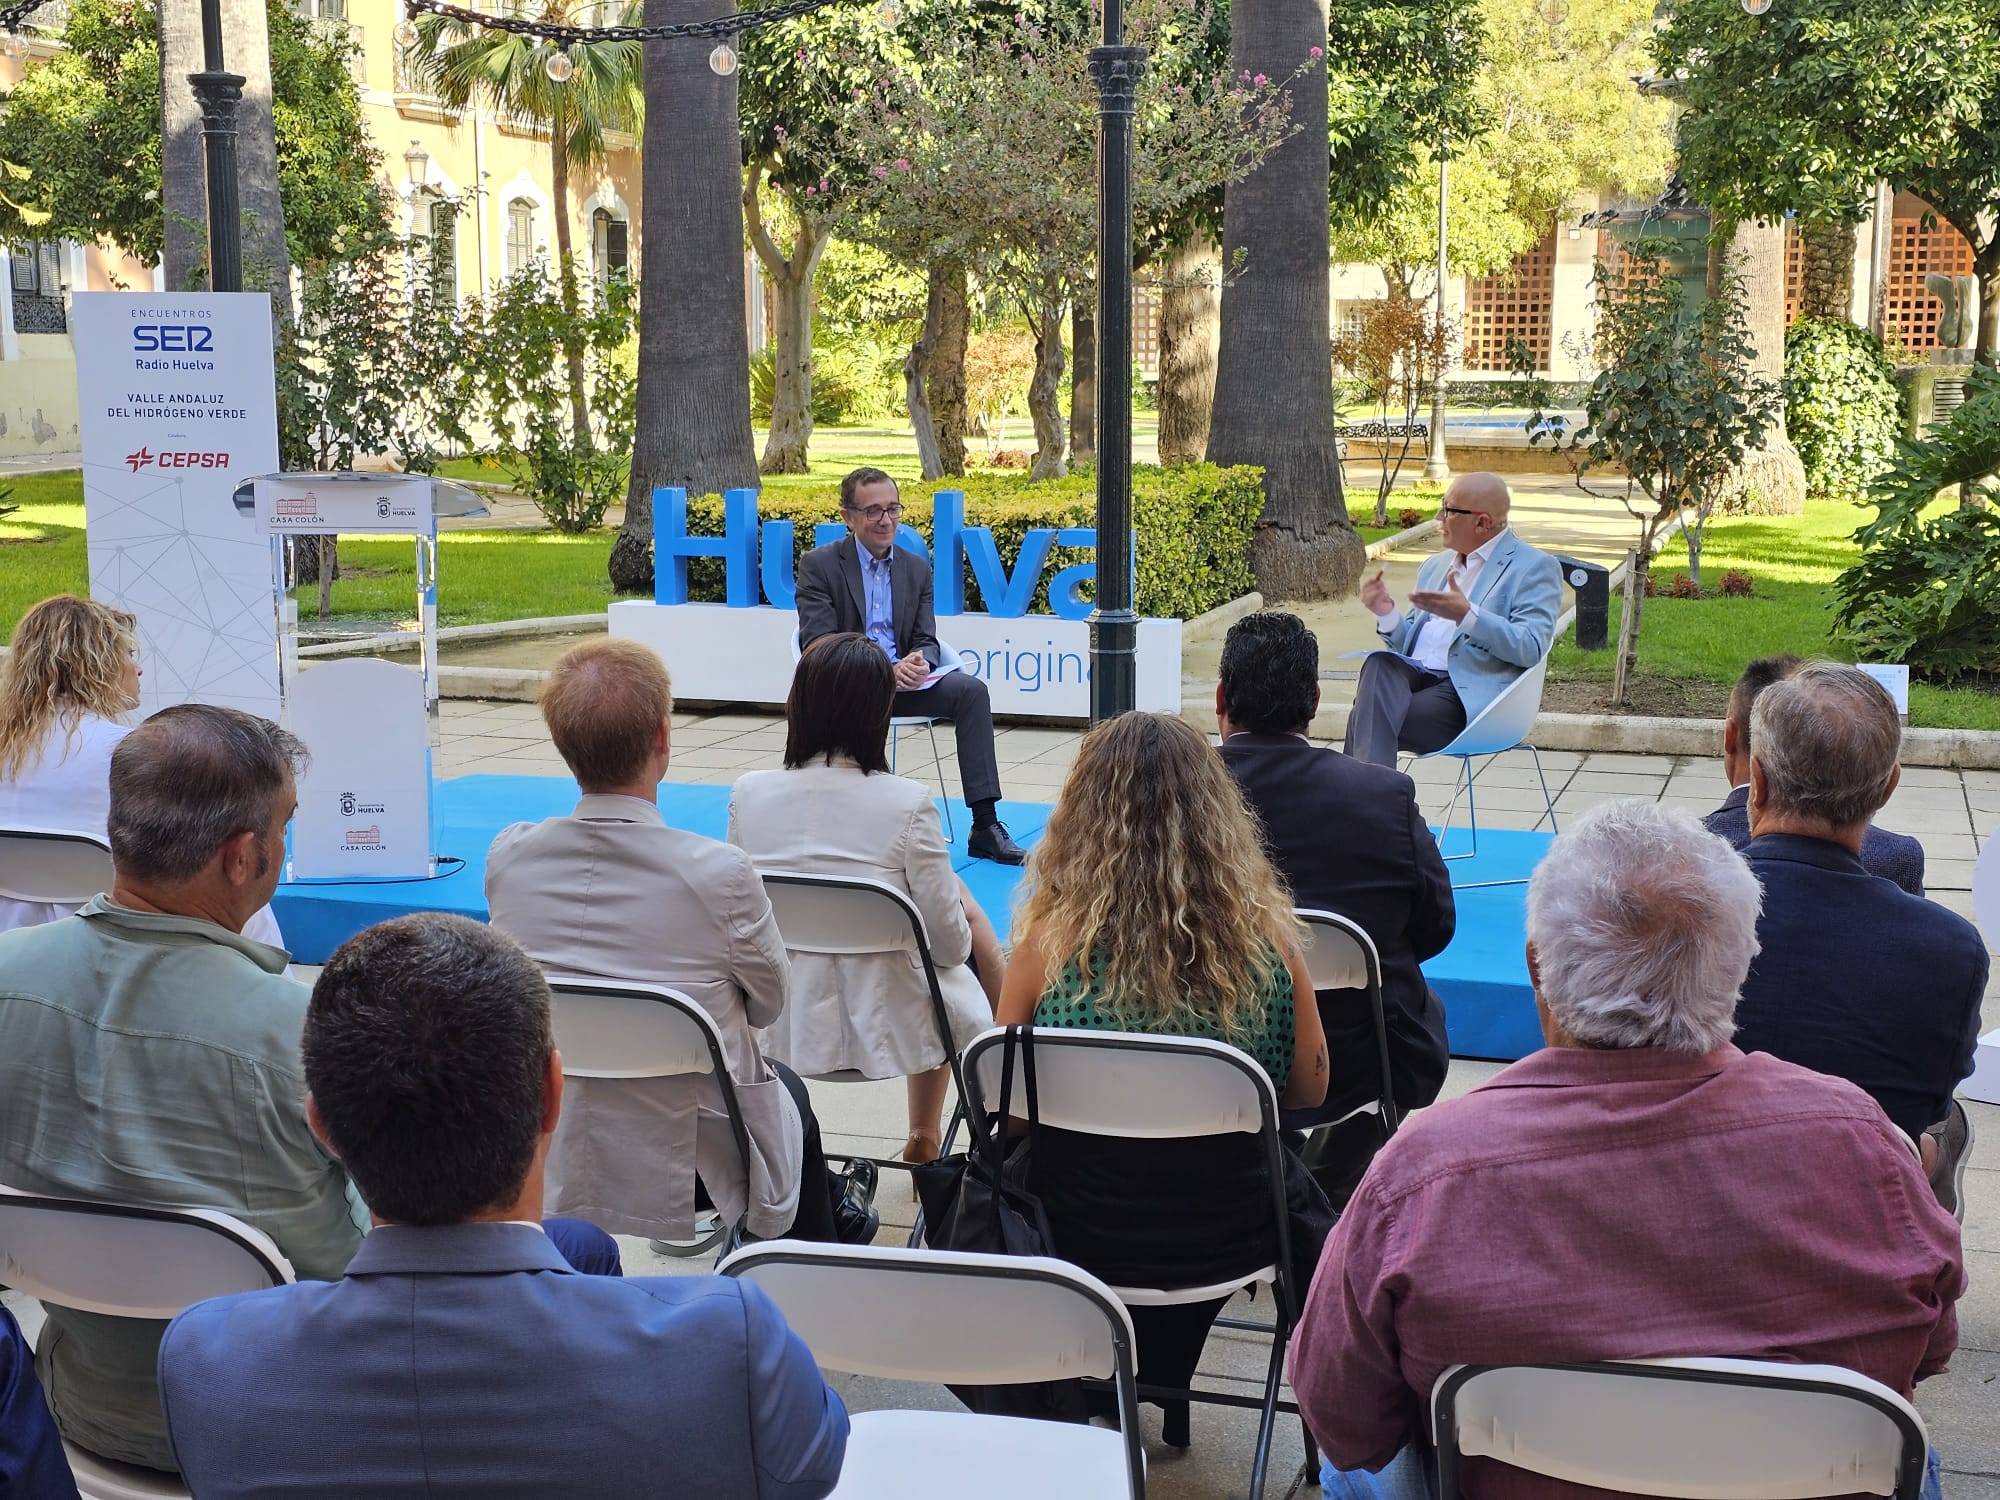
<point x="1150" y="906"/>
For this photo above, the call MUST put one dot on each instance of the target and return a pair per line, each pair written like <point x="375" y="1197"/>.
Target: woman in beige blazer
<point x="836" y="810"/>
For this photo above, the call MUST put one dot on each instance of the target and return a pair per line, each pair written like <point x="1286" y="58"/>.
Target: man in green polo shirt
<point x="149" y="1052"/>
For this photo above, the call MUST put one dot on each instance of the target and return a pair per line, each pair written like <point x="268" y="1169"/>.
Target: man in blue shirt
<point x="461" y="1356"/>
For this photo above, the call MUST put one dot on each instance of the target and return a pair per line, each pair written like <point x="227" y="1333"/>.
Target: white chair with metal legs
<point x="1147" y="1087"/>
<point x="126" y="1261"/>
<point x="947" y="1316"/>
<point x="1502" y="726"/>
<point x="948" y="661"/>
<point x="53" y="866"/>
<point x="1702" y="1429"/>
<point x="1340" y="955"/>
<point x="619" y="1029"/>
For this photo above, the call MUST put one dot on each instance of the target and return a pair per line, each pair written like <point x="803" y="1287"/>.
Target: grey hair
<point x="1828" y="738"/>
<point x="1644" y="924"/>
<point x="188" y="780"/>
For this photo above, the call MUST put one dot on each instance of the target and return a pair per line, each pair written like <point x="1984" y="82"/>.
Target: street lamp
<point x="418" y="160"/>
<point x="218" y="92"/>
<point x="1437" y="468"/>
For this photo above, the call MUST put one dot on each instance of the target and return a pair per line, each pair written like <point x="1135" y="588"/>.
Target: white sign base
<point x="365" y="799"/>
<point x="1035" y="665"/>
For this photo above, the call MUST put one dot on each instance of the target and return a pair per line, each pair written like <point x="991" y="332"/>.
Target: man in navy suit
<point x="1893" y="856"/>
<point x="461" y="1356"/>
<point x="1853" y="976"/>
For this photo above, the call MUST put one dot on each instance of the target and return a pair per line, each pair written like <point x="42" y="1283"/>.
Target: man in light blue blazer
<point x="1482" y="613"/>
<point x="461" y="1356"/>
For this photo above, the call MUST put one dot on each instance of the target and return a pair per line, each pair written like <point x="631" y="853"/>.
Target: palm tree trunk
<point x="944" y="382"/>
<point x="693" y="418"/>
<point x="1772" y="478"/>
<point x="1187" y="349"/>
<point x="1045" y="388"/>
<point x="183" y="189"/>
<point x="1826" y="272"/>
<point x="1082" y="380"/>
<point x="579" y="403"/>
<point x="267" y="260"/>
<point x="1274" y="371"/>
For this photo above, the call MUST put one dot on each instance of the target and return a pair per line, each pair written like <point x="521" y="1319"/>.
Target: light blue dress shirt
<point x="879" y="600"/>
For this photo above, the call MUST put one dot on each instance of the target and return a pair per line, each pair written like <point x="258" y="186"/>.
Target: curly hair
<point x="1151" y="879"/>
<point x="68" y="661"/>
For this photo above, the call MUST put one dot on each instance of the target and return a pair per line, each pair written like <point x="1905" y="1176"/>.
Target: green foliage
<point x="1840" y="405"/>
<point x="857" y="377"/>
<point x="1194" y="524"/>
<point x="521" y="390"/>
<point x="86" y="126"/>
<point x="1927" y="588"/>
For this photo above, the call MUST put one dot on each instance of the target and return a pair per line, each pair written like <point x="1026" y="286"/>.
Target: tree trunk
<point x="1772" y="479"/>
<point x="945" y="381"/>
<point x="791" y="277"/>
<point x="693" y="417"/>
<point x="1826" y="271"/>
<point x="1082" y="381"/>
<point x="579" y="404"/>
<point x="916" y="375"/>
<point x="183" y="188"/>
<point x="1636" y="570"/>
<point x="327" y="563"/>
<point x="1045" y="390"/>
<point x="1274" y="371"/>
<point x="267" y="259"/>
<point x="1986" y="272"/>
<point x="1188" y="291"/>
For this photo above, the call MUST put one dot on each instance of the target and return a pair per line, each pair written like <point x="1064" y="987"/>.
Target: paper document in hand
<point x="936" y="673"/>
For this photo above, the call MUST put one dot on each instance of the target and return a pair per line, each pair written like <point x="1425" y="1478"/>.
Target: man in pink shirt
<point x="1637" y="1189"/>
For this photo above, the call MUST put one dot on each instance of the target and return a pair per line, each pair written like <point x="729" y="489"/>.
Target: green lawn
<point x="41" y="544"/>
<point x="1793" y="561"/>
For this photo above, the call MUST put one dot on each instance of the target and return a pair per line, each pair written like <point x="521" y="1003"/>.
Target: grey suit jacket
<point x="1892" y="856"/>
<point x="831" y="600"/>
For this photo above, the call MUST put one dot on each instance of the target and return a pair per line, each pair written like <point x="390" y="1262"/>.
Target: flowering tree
<point x="988" y="154"/>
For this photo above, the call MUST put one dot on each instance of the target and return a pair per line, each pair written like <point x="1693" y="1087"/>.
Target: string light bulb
<point x="15" y="47"/>
<point x="890" y="13"/>
<point x="560" y="67"/>
<point x="1555" y="12"/>
<point x="722" y="61"/>
<point x="407" y="35"/>
<point x="1755" y="7"/>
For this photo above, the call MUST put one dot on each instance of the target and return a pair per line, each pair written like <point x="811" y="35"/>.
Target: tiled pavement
<point x="1950" y="811"/>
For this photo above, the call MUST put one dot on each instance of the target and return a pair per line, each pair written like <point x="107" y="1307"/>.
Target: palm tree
<point x="467" y="64"/>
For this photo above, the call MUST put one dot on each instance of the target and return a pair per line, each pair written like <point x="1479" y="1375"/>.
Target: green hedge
<point x="1194" y="523"/>
<point x="1840" y="406"/>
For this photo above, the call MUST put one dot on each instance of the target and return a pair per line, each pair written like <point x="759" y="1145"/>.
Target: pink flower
<point x="781" y="133"/>
<point x="902" y="164"/>
<point x="1318" y="52"/>
<point x="810" y="191"/>
<point x="1260" y="80"/>
<point x="822" y="184"/>
<point x="802" y="54"/>
<point x="881" y="171"/>
<point x="1244" y="75"/>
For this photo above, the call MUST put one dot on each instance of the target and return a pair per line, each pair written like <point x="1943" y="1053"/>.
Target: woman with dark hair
<point x="835" y="810"/>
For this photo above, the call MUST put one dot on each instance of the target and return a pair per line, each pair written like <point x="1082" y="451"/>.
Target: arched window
<point x="444" y="248"/>
<point x="608" y="244"/>
<point x="520" y="235"/>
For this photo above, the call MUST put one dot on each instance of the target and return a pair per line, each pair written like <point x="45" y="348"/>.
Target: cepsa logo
<point x="173" y="338"/>
<point x="145" y="458"/>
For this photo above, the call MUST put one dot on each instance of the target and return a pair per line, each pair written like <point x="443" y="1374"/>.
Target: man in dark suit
<point x="1853" y="976"/>
<point x="866" y="584"/>
<point x="1893" y="856"/>
<point x="1348" y="837"/>
<point x="461" y="1357"/>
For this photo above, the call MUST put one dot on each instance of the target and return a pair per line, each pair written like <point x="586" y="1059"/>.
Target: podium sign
<point x="365" y="799"/>
<point x="378" y="504"/>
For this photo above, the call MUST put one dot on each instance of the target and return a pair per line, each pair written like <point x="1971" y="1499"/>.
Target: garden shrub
<point x="1194" y="523"/>
<point x="1737" y="584"/>
<point x="1840" y="406"/>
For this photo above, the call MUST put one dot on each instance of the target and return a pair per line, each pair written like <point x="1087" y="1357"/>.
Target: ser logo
<point x="173" y="338"/>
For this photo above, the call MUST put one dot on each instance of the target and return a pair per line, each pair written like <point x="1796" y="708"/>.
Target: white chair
<point x="850" y="914"/>
<point x="944" y="1316"/>
<point x="617" y="1029"/>
<point x="948" y="661"/>
<point x="53" y="866"/>
<point x="1149" y="1087"/>
<point x="1502" y="726"/>
<point x="1701" y="1429"/>
<point x="1340" y="955"/>
<point x="129" y="1262"/>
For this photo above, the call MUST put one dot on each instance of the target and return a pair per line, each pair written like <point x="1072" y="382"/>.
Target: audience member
<point x="835" y="810"/>
<point x="460" y="1356"/>
<point x="1893" y="856"/>
<point x="149" y="1050"/>
<point x="866" y="583"/>
<point x="1638" y="1189"/>
<point x="1348" y="837"/>
<point x="613" y="892"/>
<point x="1150" y="907"/>
<point x="1482" y="613"/>
<point x="1856" y="978"/>
<point x="64" y="689"/>
<point x="33" y="1465"/>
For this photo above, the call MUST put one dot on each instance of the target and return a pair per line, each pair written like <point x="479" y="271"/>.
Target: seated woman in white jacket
<point x="64" y="690"/>
<point x="836" y="810"/>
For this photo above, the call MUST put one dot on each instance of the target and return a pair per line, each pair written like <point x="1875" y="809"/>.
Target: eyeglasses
<point x="877" y="512"/>
<point x="1453" y="510"/>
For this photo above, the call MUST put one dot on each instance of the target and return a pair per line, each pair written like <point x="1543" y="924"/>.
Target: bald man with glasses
<point x="1482" y="613"/>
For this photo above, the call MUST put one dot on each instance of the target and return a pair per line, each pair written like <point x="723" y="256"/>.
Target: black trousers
<point x="961" y="698"/>
<point x="818" y="1187"/>
<point x="1401" y="706"/>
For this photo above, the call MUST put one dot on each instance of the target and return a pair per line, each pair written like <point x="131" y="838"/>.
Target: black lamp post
<point x="1114" y="625"/>
<point x="218" y="92"/>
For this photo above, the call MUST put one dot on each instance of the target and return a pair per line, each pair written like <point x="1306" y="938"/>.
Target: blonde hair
<point x="1152" y="880"/>
<point x="68" y="661"/>
<point x="603" y="701"/>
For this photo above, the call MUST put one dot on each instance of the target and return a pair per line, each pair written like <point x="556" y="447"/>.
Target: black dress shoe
<point x="995" y="843"/>
<point x="855" y="1218"/>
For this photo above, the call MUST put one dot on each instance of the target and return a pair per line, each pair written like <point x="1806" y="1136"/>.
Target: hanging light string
<point x="10" y="21"/>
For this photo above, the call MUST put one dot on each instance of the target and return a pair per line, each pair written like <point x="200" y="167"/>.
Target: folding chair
<point x="1502" y="726"/>
<point x="938" y="1316"/>
<point x="948" y="659"/>
<point x="52" y="866"/>
<point x="129" y="1262"/>
<point x="1702" y="1429"/>
<point x="1115" y="1083"/>
<point x="1340" y="955"/>
<point x="616" y="1029"/>
<point x="853" y="914"/>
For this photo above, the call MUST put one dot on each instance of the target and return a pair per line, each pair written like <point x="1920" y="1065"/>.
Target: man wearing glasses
<point x="867" y="584"/>
<point x="1483" y="612"/>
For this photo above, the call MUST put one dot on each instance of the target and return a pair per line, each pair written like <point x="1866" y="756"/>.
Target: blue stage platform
<point x="1482" y="976"/>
